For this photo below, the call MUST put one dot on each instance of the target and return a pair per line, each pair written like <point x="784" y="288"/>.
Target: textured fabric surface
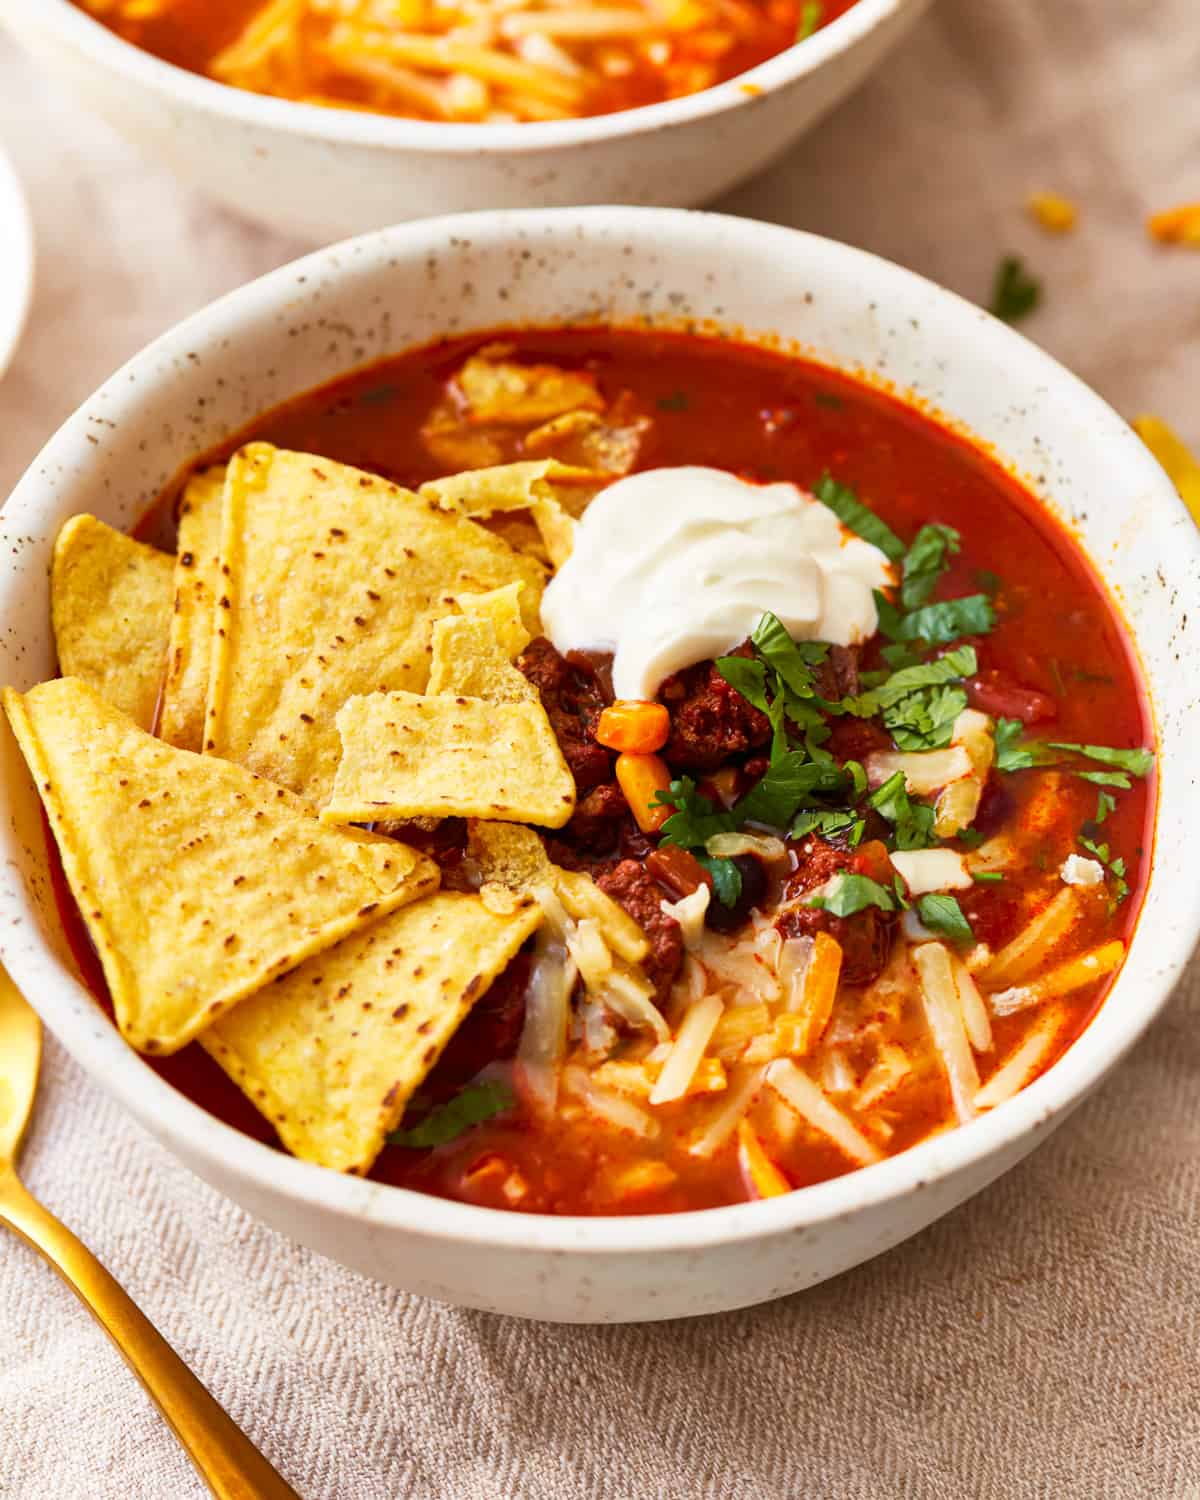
<point x="1042" y="1341"/>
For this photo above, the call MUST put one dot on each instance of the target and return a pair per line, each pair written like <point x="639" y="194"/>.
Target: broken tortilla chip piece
<point x="332" y="1052"/>
<point x="501" y="390"/>
<point x="334" y="581"/>
<point x="469" y="662"/>
<point x="407" y="756"/>
<point x="590" y="441"/>
<point x="110" y="606"/>
<point x="503" y="854"/>
<point x="552" y="492"/>
<point x="503" y="608"/>
<point x="196" y="590"/>
<point x="198" y="881"/>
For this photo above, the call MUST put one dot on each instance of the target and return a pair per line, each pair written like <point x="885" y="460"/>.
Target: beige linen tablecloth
<point x="1043" y="1340"/>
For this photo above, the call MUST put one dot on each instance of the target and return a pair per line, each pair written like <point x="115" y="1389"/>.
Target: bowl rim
<point x="391" y="132"/>
<point x="196" y="1135"/>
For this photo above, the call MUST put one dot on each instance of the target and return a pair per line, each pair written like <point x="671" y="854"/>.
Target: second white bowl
<point x="322" y="174"/>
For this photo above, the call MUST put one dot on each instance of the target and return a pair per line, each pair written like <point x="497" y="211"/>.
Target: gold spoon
<point x="226" y="1459"/>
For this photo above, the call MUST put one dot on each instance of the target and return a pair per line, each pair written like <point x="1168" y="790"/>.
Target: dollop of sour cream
<point x="674" y="566"/>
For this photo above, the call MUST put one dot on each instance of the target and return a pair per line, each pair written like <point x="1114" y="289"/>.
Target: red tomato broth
<point x="766" y="416"/>
<point x="193" y="34"/>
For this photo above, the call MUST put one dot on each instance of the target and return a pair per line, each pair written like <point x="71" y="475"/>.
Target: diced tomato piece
<point x="995" y="693"/>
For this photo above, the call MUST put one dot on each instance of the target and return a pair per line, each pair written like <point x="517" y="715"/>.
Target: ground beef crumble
<point x="866" y="937"/>
<point x="633" y="887"/>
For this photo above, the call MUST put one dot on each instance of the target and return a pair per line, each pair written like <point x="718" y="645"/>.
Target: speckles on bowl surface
<point x="306" y="324"/>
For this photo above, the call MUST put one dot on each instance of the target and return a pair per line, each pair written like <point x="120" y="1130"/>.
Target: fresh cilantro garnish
<point x="676" y="401"/>
<point x="810" y="19"/>
<point x="970" y="836"/>
<point x="925" y="562"/>
<point x="1015" y="293"/>
<point x="941" y="623"/>
<point x="1011" y="753"/>
<point x="695" y="820"/>
<point x="943" y="915"/>
<point x="470" y="1106"/>
<point x="847" y="894"/>
<point x="900" y="654"/>
<point x="1015" y="754"/>
<point x="987" y="877"/>
<point x="726" y="878"/>
<point x="1137" y="762"/>
<point x="854" y="515"/>
<point x="791" y="661"/>
<point x="1104" y="805"/>
<point x="1116" y="779"/>
<point x="918" y="704"/>
<point x="746" y="676"/>
<point x="858" y="778"/>
<point x="830" y="824"/>
<point x="788" y="784"/>
<point x="1089" y="840"/>
<point x="913" y="821"/>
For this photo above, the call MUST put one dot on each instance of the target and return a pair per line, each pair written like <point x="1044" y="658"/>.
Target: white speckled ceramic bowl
<point x="386" y="292"/>
<point x="324" y="173"/>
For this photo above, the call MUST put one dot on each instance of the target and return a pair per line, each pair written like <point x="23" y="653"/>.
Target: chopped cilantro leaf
<point x="830" y="824"/>
<point x="789" y="782"/>
<point x="726" y="878"/>
<point x="1015" y="293"/>
<point x="925" y="720"/>
<point x="925" y="562"/>
<point x="1137" y="762"/>
<point x="810" y="19"/>
<point x="900" y="654"/>
<point x="470" y="1106"/>
<point x="1104" y="805"/>
<point x="1011" y="754"/>
<point x="847" y="894"/>
<point x="858" y="778"/>
<point x="970" y="836"/>
<point x="676" y="401"/>
<point x="941" y="623"/>
<point x="952" y="667"/>
<point x="695" y="819"/>
<point x="853" y="514"/>
<point x="1105" y="778"/>
<point x="746" y="676"/>
<point x="792" y="661"/>
<point x="913" y="821"/>
<point x="943" y="915"/>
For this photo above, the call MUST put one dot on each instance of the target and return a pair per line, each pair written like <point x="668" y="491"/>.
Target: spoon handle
<point x="224" y="1456"/>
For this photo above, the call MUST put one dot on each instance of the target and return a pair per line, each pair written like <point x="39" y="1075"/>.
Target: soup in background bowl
<point x="830" y="977"/>
<point x="321" y="173"/>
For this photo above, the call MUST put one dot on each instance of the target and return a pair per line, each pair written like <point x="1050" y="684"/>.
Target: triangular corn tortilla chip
<point x="332" y="1052"/>
<point x="407" y="756"/>
<point x="332" y="581"/>
<point x="198" y="881"/>
<point x="469" y="662"/>
<point x="496" y="389"/>
<point x="196" y="590"/>
<point x="550" y="491"/>
<point x="110" y="604"/>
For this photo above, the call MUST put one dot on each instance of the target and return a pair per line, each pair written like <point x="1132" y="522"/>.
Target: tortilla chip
<point x="469" y="662"/>
<point x="110" y="605"/>
<point x="502" y="854"/>
<point x="503" y="608"/>
<point x="334" y="581"/>
<point x="545" y="488"/>
<point x="408" y="756"/>
<point x="508" y="854"/>
<point x="198" y="881"/>
<point x="197" y="587"/>
<point x="590" y="441"/>
<point x="500" y="390"/>
<point x="332" y="1052"/>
